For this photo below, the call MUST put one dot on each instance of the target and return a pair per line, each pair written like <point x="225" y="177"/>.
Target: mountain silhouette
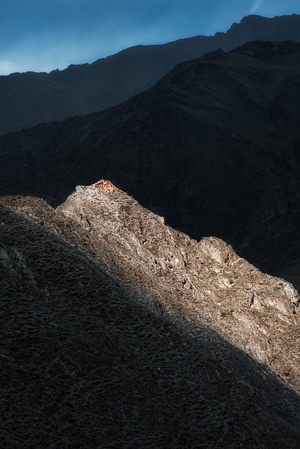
<point x="31" y="98"/>
<point x="213" y="147"/>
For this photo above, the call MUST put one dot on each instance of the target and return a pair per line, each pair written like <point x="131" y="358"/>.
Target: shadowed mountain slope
<point x="213" y="147"/>
<point x="96" y="351"/>
<point x="31" y="98"/>
<point x="204" y="280"/>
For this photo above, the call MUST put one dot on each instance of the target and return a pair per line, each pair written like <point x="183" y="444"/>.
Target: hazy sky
<point x="42" y="35"/>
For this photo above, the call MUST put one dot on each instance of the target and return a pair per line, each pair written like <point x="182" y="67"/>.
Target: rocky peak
<point x="203" y="281"/>
<point x="90" y="358"/>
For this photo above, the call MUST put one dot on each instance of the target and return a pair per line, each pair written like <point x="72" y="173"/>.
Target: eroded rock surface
<point x="204" y="281"/>
<point x="104" y="335"/>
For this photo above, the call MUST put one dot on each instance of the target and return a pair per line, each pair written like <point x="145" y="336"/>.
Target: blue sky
<point x="42" y="35"/>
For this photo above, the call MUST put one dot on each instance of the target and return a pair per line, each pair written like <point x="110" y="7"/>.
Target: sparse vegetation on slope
<point x="205" y="281"/>
<point x="87" y="361"/>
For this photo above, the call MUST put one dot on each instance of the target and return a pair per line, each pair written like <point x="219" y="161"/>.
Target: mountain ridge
<point x="210" y="147"/>
<point x="32" y="98"/>
<point x="88" y="361"/>
<point x="204" y="280"/>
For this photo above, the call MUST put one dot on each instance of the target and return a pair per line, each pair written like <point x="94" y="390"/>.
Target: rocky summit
<point x="119" y="331"/>
<point x="213" y="147"/>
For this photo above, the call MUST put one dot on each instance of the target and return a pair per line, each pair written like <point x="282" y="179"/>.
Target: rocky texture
<point x="103" y="341"/>
<point x="31" y="98"/>
<point x="204" y="281"/>
<point x="214" y="147"/>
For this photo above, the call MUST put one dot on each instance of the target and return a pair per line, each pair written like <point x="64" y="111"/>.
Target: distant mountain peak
<point x="250" y="18"/>
<point x="88" y="88"/>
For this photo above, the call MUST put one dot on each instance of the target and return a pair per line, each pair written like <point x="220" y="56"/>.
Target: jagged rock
<point x="107" y="340"/>
<point x="206" y="281"/>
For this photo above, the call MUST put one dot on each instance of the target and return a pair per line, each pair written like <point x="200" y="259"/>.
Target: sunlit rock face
<point x="119" y="331"/>
<point x="204" y="280"/>
<point x="217" y="285"/>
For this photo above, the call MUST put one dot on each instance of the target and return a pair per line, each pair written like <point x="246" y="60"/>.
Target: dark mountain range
<point x="213" y="147"/>
<point x="31" y="98"/>
<point x="107" y="339"/>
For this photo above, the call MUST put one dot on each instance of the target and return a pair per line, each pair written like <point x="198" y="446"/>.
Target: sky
<point x="44" y="35"/>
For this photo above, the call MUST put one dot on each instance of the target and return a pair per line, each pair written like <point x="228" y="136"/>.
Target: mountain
<point x="31" y="98"/>
<point x="213" y="147"/>
<point x="119" y="331"/>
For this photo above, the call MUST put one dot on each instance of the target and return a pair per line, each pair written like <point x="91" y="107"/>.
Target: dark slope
<point x="84" y="364"/>
<point x="205" y="281"/>
<point x="31" y="98"/>
<point x="213" y="147"/>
